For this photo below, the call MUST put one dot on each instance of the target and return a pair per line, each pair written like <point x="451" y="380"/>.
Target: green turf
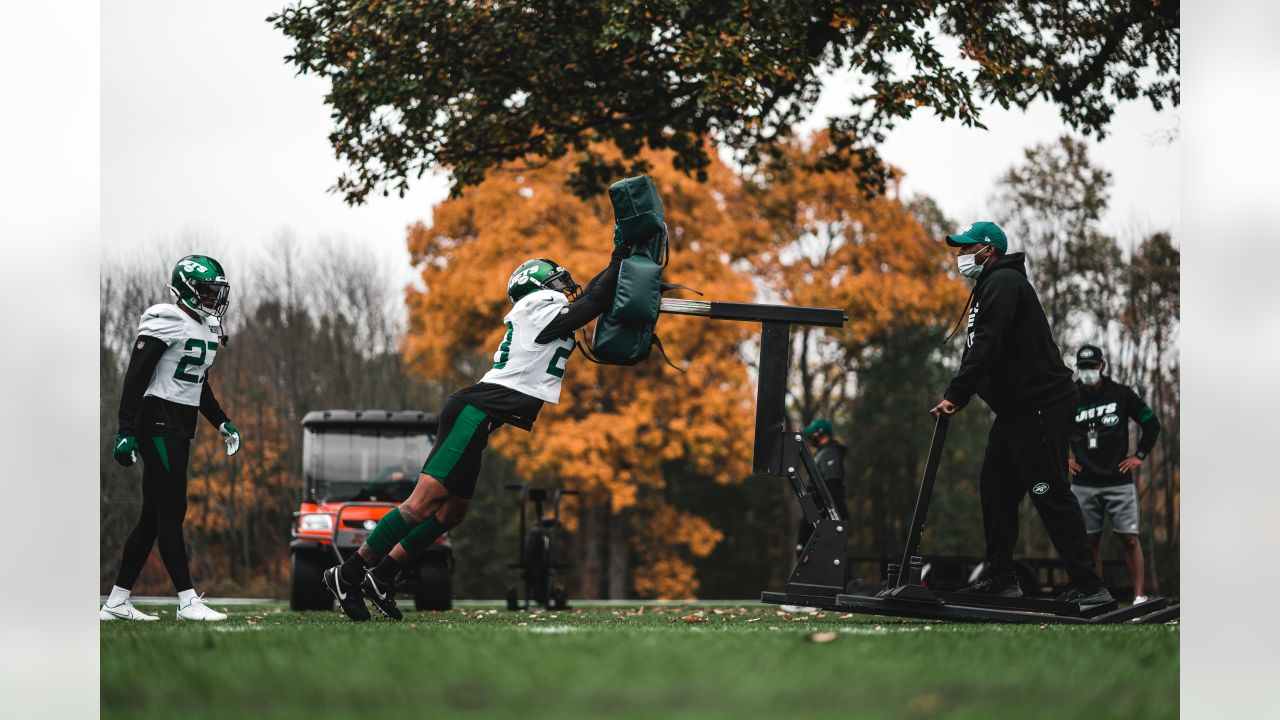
<point x="734" y="661"/>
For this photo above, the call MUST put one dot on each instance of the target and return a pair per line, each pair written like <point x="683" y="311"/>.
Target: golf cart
<point x="356" y="466"/>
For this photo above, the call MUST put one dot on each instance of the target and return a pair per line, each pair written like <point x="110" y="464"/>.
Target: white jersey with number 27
<point x="524" y="365"/>
<point x="192" y="344"/>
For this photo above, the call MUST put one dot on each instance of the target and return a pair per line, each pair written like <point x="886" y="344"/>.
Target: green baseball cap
<point x="983" y="231"/>
<point x="821" y="425"/>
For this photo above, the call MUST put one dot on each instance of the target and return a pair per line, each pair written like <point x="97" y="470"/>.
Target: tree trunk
<point x="619" y="554"/>
<point x="592" y="533"/>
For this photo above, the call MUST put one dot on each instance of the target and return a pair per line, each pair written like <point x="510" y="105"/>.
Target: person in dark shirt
<point x="1011" y="361"/>
<point x="830" y="461"/>
<point x="1101" y="466"/>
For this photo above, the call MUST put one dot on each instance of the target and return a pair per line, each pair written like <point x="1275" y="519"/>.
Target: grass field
<point x="694" y="661"/>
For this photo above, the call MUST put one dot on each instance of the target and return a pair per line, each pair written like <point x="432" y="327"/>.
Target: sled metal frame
<point x="819" y="573"/>
<point x="817" y="580"/>
<point x="908" y="597"/>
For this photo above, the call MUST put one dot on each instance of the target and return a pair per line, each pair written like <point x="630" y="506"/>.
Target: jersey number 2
<point x="197" y="360"/>
<point x="554" y="367"/>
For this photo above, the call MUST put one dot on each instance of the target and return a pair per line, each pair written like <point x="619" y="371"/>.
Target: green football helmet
<point x="539" y="274"/>
<point x="198" y="282"/>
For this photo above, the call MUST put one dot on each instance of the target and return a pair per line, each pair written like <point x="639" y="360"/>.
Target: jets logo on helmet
<point x="539" y="274"/>
<point x="198" y="282"/>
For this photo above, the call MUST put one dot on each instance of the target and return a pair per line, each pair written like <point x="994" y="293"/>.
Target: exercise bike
<point x="538" y="548"/>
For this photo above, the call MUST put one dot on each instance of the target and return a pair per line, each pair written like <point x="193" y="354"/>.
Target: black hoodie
<point x="1010" y="359"/>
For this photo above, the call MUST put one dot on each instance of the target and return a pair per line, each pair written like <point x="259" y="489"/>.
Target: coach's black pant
<point x="1027" y="453"/>
<point x="164" y="506"/>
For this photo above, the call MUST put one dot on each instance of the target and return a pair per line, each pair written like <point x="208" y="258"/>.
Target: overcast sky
<point x="207" y="133"/>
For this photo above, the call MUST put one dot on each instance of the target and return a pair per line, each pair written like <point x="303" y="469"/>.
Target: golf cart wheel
<point x="306" y="589"/>
<point x="435" y="585"/>
<point x="513" y="600"/>
<point x="559" y="600"/>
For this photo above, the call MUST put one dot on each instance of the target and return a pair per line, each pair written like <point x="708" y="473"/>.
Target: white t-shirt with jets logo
<point x="524" y="365"/>
<point x="179" y="375"/>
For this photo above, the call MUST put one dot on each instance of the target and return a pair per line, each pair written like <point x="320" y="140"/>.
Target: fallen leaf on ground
<point x="820" y="637"/>
<point x="693" y="619"/>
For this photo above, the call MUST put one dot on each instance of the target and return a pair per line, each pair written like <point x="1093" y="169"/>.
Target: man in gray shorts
<point x="1101" y="466"/>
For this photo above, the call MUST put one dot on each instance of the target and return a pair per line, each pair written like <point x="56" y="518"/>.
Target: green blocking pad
<point x="624" y="334"/>
<point x="638" y="293"/>
<point x="637" y="210"/>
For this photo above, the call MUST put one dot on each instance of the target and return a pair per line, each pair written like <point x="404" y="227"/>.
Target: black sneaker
<point x="382" y="597"/>
<point x="350" y="597"/>
<point x="1086" y="597"/>
<point x="995" y="587"/>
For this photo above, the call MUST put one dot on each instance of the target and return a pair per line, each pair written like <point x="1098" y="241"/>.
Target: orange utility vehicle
<point x="356" y="466"/>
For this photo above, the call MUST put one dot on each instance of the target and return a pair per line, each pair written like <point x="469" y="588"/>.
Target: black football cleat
<point x="995" y="587"/>
<point x="350" y="597"/>
<point x="382" y="596"/>
<point x="1086" y="597"/>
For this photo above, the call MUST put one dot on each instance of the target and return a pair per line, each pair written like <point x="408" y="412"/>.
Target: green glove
<point x="126" y="450"/>
<point x="230" y="436"/>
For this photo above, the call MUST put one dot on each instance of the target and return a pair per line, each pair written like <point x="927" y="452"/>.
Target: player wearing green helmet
<point x="539" y="274"/>
<point x="199" y="283"/>
<point x="166" y="384"/>
<point x="527" y="371"/>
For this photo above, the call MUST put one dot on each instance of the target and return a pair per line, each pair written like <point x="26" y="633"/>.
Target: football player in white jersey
<point x="166" y="383"/>
<point x="528" y="368"/>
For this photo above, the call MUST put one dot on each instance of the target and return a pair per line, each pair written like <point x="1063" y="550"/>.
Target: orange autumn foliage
<point x="662" y="574"/>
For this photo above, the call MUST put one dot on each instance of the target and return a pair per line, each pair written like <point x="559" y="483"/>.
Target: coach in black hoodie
<point x="1011" y="361"/>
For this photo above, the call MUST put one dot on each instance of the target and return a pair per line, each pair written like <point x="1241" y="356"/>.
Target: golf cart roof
<point x="379" y="419"/>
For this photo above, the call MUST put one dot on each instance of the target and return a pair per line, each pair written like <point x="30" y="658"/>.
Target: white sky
<point x="206" y="133"/>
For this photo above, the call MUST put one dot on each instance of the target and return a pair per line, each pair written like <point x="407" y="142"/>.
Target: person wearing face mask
<point x="1101" y="465"/>
<point x="1011" y="361"/>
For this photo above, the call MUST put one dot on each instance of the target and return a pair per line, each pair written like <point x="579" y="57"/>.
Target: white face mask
<point x="968" y="265"/>
<point x="1090" y="376"/>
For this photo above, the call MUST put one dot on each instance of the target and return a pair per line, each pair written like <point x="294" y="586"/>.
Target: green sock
<point x="422" y="536"/>
<point x="390" y="529"/>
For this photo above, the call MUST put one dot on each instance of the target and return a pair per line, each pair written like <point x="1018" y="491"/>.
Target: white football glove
<point x="230" y="436"/>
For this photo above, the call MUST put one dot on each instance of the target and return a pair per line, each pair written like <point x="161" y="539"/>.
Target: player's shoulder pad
<point x="539" y="299"/>
<point x="163" y="321"/>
